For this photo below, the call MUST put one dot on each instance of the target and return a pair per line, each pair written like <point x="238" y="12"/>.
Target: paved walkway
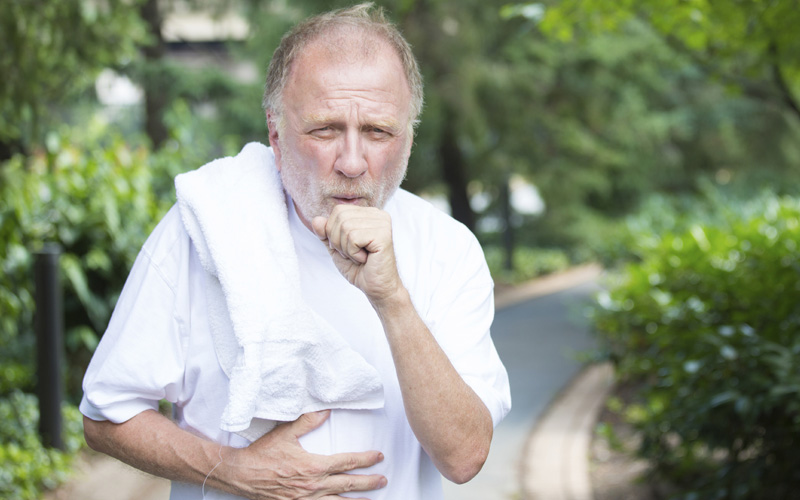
<point x="539" y="329"/>
<point x="538" y="338"/>
<point x="556" y="458"/>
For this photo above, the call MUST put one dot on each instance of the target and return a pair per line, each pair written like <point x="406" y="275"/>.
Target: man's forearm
<point x="274" y="466"/>
<point x="448" y="418"/>
<point x="152" y="443"/>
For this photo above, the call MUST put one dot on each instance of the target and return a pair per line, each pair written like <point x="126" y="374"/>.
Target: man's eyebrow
<point x="387" y="124"/>
<point x="323" y="118"/>
<point x="318" y="118"/>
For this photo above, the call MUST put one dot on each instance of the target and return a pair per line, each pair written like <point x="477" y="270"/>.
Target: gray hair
<point x="362" y="16"/>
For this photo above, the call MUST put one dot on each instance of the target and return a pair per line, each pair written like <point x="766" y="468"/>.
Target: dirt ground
<point x="616" y="474"/>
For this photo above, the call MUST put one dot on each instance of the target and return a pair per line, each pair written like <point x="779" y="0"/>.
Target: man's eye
<point x="378" y="131"/>
<point x="322" y="131"/>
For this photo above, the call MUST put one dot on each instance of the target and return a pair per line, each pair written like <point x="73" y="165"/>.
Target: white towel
<point x="282" y="358"/>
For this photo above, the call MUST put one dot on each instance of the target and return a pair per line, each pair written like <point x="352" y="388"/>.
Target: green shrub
<point x="528" y="263"/>
<point x="25" y="465"/>
<point x="708" y="322"/>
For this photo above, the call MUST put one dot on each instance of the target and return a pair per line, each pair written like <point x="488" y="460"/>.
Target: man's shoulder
<point x="430" y="230"/>
<point x="437" y="255"/>
<point x="421" y="218"/>
<point x="169" y="240"/>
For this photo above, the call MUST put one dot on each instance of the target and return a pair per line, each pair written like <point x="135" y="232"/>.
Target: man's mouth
<point x="348" y="200"/>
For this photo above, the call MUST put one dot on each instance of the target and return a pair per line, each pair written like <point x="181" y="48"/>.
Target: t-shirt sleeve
<point x="460" y="318"/>
<point x="140" y="359"/>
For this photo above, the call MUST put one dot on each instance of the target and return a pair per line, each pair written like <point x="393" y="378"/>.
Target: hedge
<point x="707" y="322"/>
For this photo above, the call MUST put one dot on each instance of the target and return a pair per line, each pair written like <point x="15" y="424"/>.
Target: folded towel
<point x="282" y="358"/>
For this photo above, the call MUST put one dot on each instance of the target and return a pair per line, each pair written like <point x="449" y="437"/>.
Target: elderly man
<point x="404" y="287"/>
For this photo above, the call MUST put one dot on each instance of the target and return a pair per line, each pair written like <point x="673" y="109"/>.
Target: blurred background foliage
<point x="560" y="132"/>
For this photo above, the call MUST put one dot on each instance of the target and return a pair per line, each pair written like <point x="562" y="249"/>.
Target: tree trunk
<point x="453" y="173"/>
<point x="508" y="230"/>
<point x="9" y="148"/>
<point x="155" y="99"/>
<point x="788" y="97"/>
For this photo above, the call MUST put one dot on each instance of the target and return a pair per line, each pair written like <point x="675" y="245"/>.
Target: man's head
<point x="362" y="18"/>
<point x="343" y="94"/>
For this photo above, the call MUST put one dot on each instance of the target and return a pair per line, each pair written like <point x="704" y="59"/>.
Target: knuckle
<point x="351" y="463"/>
<point x="342" y="464"/>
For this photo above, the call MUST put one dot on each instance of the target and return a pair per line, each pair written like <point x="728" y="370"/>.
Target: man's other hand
<point x="277" y="467"/>
<point x="359" y="240"/>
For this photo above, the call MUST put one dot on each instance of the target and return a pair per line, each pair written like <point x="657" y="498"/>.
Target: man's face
<point x="345" y="136"/>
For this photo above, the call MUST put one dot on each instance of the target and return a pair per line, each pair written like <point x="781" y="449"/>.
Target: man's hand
<point x="274" y="467"/>
<point x="360" y="241"/>
<point x="277" y="467"/>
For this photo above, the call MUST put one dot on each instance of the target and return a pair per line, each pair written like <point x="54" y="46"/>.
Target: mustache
<point x="350" y="187"/>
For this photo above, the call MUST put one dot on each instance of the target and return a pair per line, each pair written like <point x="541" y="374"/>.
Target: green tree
<point x="52" y="51"/>
<point x="611" y="115"/>
<point x="164" y="81"/>
<point x="750" y="44"/>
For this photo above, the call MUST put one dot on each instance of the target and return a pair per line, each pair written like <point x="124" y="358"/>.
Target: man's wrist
<point x="223" y="472"/>
<point x="394" y="303"/>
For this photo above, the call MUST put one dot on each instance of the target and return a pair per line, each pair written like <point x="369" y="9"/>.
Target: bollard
<point x="49" y="345"/>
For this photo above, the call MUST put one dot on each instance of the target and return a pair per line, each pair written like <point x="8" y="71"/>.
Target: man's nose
<point x="352" y="160"/>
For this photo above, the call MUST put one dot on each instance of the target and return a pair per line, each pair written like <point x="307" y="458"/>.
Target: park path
<point x="539" y="330"/>
<point x="539" y="340"/>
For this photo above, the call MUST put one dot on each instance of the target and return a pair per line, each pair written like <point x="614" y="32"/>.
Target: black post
<point x="49" y="345"/>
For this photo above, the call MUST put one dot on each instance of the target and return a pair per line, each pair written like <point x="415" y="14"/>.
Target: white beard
<point x="314" y="198"/>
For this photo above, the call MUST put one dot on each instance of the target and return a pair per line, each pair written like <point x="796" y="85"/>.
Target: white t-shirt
<point x="158" y="344"/>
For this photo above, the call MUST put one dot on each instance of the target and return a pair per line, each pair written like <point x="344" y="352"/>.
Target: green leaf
<point x="724" y="398"/>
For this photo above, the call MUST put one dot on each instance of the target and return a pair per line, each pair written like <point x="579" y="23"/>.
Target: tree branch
<point x="777" y="76"/>
<point x="776" y="91"/>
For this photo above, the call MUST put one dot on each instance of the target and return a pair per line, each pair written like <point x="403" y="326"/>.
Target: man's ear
<point x="274" y="139"/>
<point x="409" y="145"/>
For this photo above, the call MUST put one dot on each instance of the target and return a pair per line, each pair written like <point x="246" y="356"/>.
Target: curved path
<point x="539" y="339"/>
